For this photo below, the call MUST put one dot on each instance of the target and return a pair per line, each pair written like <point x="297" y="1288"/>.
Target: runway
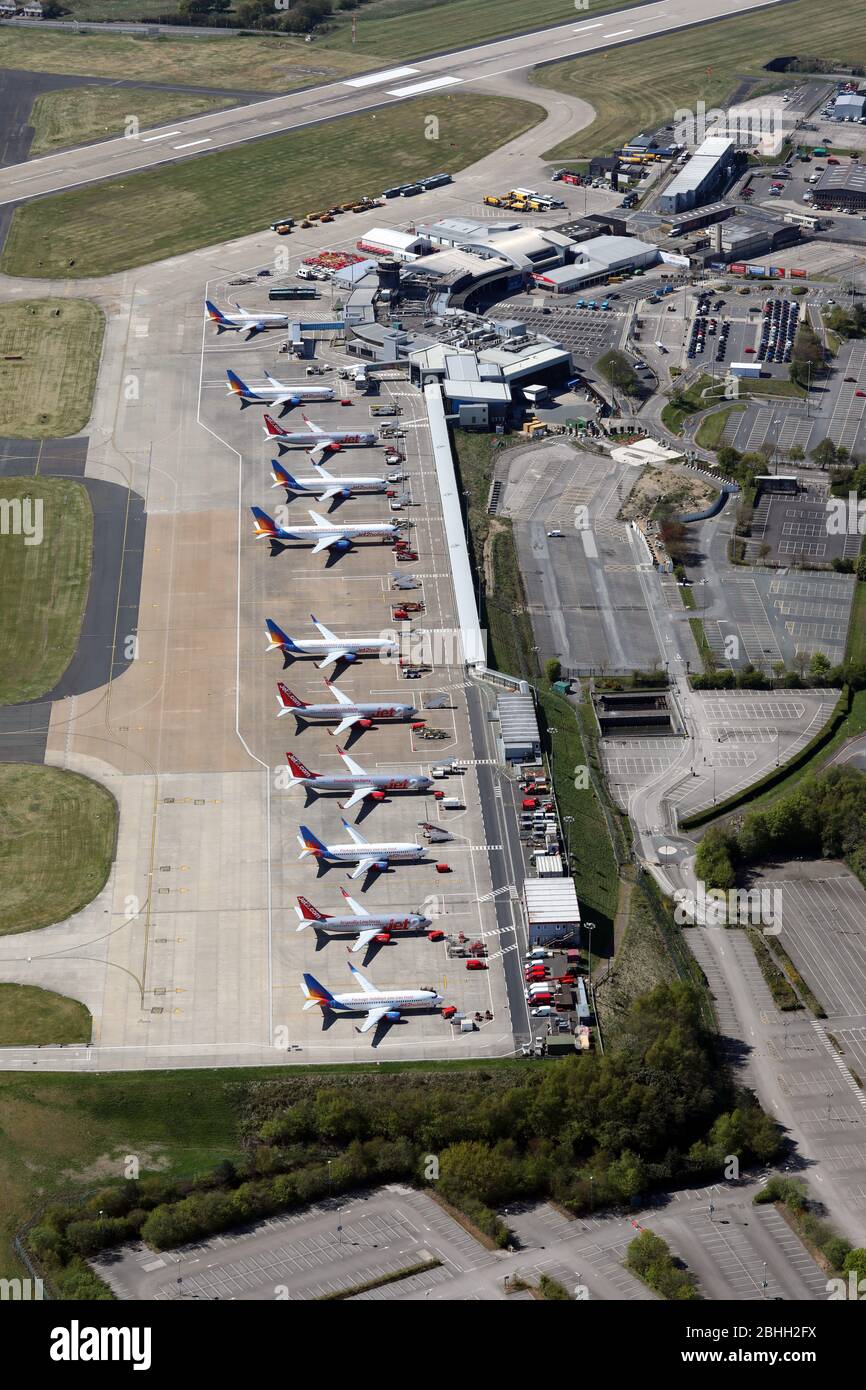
<point x="469" y="68"/>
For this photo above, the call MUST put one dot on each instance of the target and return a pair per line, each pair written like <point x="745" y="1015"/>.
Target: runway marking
<point x="189" y="144"/>
<point x="391" y="75"/>
<point x="618" y="34"/>
<point x="429" y="86"/>
<point x="146" y="139"/>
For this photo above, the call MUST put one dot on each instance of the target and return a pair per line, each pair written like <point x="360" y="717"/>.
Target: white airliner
<point x="363" y="924"/>
<point x="377" y="1004"/>
<point x="340" y="535"/>
<point x="361" y="784"/>
<point x="345" y="712"/>
<point x="325" y="486"/>
<point x="276" y="392"/>
<point x="328" y="646"/>
<point x="243" y="321"/>
<point x="321" y="441"/>
<point x="367" y="856"/>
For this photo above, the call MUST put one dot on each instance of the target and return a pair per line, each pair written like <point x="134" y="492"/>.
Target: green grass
<point x="641" y="85"/>
<point x="494" y="554"/>
<point x="103" y="228"/>
<point x="58" y="832"/>
<point x="710" y="431"/>
<point x="43" y="588"/>
<point x="240" y="64"/>
<point x="596" y="874"/>
<point x="411" y="28"/>
<point x="32" y="1017"/>
<point x="75" y="115"/>
<point x="49" y="391"/>
<point x="686" y="402"/>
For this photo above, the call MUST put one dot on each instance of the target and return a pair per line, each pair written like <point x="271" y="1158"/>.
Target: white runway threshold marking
<point x="590" y="549"/>
<point x="415" y="87"/>
<point x="390" y="76"/>
<point x="164" y="135"/>
<point x="189" y="144"/>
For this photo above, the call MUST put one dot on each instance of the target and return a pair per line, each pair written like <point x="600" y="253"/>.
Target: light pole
<point x="590" y="928"/>
<point x="569" y="821"/>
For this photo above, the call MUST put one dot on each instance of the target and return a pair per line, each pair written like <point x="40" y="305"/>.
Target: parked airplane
<point x="276" y="393"/>
<point x="326" y="485"/>
<point x="377" y="1004"/>
<point x="360" y="783"/>
<point x="243" y="321"/>
<point x="321" y="441"/>
<point x="366" y="925"/>
<point x="328" y="646"/>
<point x="325" y="534"/>
<point x="367" y="856"/>
<point x="345" y="712"/>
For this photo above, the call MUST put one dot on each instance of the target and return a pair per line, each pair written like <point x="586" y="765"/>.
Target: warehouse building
<point x="702" y="176"/>
<point x="850" y="106"/>
<point x="518" y="728"/>
<point x="388" y="241"/>
<point x="841" y="186"/>
<point x="552" y="910"/>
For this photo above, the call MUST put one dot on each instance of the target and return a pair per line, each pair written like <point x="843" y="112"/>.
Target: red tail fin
<point x="310" y="913"/>
<point x="272" y="427"/>
<point x="297" y="767"/>
<point x="287" y="699"/>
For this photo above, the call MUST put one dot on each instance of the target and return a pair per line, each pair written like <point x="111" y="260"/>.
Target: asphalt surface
<point x="112" y="601"/>
<point x="471" y="66"/>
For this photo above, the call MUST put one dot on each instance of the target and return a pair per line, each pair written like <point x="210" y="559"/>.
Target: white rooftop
<point x="551" y="900"/>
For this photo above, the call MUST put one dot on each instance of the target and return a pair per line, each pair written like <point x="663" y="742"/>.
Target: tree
<point x="819" y="665"/>
<point x="553" y="669"/>
<point x="824" y="453"/>
<point x="855" y="1263"/>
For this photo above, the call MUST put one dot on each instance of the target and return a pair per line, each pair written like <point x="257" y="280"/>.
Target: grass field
<point x="57" y="839"/>
<point x="43" y="588"/>
<point x="75" y="115"/>
<point x="240" y="64"/>
<point x="705" y="64"/>
<point x="49" y="391"/>
<point x="60" y="1133"/>
<point x="32" y="1017"/>
<point x="389" y="29"/>
<point x="711" y="429"/>
<point x="109" y="227"/>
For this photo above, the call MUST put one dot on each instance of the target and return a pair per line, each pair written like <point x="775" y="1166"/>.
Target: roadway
<point x="485" y="63"/>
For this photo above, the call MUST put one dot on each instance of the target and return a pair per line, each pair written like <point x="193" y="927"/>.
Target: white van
<point x="304" y="272"/>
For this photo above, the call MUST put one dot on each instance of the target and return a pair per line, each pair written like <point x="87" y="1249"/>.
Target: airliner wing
<point x="343" y="699"/>
<point x="356" y="835"/>
<point x="254" y="328"/>
<point x="354" y="768"/>
<point x="357" y="795"/>
<point x="311" y="425"/>
<point x="373" y="1017"/>
<point x="364" y="867"/>
<point x="345" y="724"/>
<point x="318" y="520"/>
<point x="330" y="492"/>
<point x="364" y="938"/>
<point x="325" y="632"/>
<point x="358" y="910"/>
<point x="324" y="543"/>
<point x="279" y="384"/>
<point x="332" y="656"/>
<point x="367" y="985"/>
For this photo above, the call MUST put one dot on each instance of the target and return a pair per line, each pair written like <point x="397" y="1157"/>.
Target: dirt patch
<point x="682" y="491"/>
